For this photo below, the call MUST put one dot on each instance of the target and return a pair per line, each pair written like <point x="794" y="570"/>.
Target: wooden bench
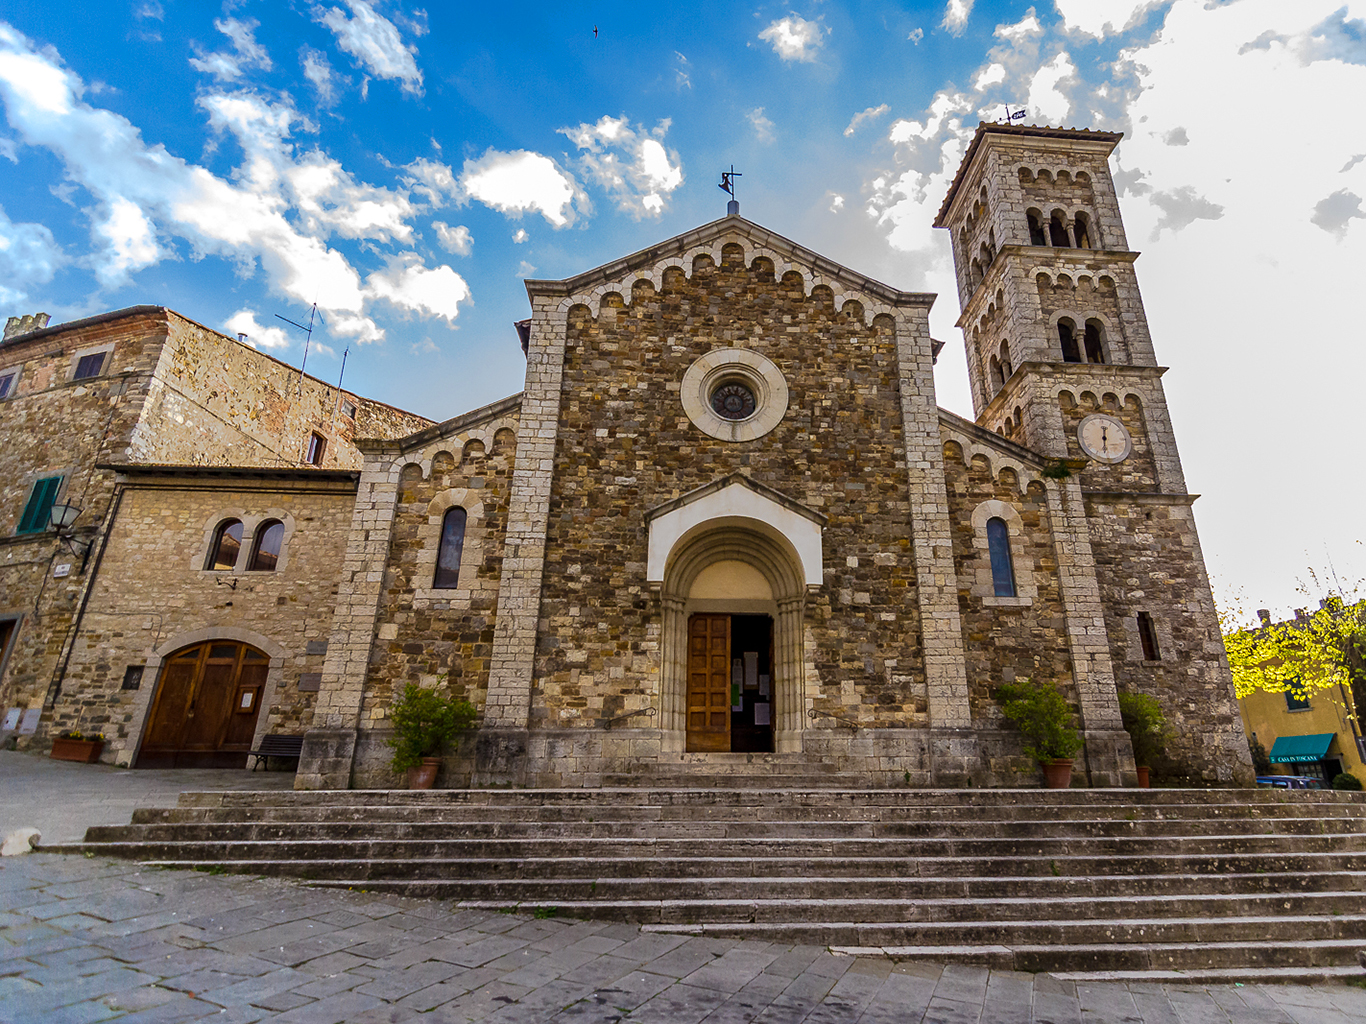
<point x="274" y="745"/>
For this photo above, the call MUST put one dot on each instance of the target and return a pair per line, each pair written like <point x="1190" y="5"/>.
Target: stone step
<point x="1241" y="801"/>
<point x="601" y="842"/>
<point x="937" y="823"/>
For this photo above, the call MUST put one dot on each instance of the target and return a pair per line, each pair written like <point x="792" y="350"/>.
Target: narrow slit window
<point x="1095" y="351"/>
<point x="227" y="544"/>
<point x="317" y="444"/>
<point x="998" y="546"/>
<point x="452" y="545"/>
<point x="265" y="555"/>
<point x="1067" y="336"/>
<point x="1147" y="635"/>
<point x="1036" y="233"/>
<point x="1083" y="233"/>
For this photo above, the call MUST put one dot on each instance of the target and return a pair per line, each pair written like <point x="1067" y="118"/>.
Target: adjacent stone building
<point x="727" y="525"/>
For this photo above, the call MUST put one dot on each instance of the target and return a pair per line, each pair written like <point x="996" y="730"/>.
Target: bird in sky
<point x="595" y="31"/>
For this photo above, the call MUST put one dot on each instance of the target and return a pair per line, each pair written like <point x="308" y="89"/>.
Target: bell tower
<point x="1052" y="315"/>
<point x="1061" y="362"/>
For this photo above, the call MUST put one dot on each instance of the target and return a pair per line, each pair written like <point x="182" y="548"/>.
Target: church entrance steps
<point x="1080" y="880"/>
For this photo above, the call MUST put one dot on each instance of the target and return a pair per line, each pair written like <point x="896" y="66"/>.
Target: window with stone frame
<point x="89" y="366"/>
<point x="317" y="445"/>
<point x="38" y="508"/>
<point x="1295" y="698"/>
<point x="998" y="547"/>
<point x="265" y="549"/>
<point x="226" y="546"/>
<point x="8" y="380"/>
<point x="449" y="549"/>
<point x="1147" y="637"/>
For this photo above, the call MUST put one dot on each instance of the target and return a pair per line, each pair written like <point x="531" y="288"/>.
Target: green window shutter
<point x="39" y="507"/>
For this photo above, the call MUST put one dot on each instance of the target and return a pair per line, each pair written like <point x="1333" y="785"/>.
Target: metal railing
<point x="650" y="712"/>
<point x="847" y="723"/>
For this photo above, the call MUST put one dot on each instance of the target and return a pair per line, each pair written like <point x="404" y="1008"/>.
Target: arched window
<point x="265" y="553"/>
<point x="1067" y="336"/>
<point x="448" y="553"/>
<point x="998" y="545"/>
<point x="227" y="544"/>
<point x="1095" y="351"/>
<point x="1083" y="230"/>
<point x="1036" y="235"/>
<point x="998" y="379"/>
<point x="1005" y="362"/>
<point x="1057" y="232"/>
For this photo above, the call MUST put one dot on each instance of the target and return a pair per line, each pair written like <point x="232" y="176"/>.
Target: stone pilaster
<point x="931" y="538"/>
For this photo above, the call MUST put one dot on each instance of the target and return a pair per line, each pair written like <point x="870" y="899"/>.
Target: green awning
<point x="1290" y="749"/>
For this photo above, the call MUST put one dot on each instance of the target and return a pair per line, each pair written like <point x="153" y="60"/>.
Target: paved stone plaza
<point x="88" y="939"/>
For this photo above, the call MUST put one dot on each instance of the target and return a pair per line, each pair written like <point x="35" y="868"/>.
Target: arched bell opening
<point x="733" y="597"/>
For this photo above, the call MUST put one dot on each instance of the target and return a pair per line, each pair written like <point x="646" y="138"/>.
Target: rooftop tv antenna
<point x="728" y="186"/>
<point x="1013" y="116"/>
<point x="308" y="337"/>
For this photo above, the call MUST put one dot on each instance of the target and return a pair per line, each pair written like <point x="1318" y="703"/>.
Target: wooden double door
<point x="730" y="683"/>
<point x="206" y="705"/>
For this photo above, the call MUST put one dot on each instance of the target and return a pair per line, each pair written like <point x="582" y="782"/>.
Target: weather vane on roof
<point x="728" y="186"/>
<point x="1013" y="116"/>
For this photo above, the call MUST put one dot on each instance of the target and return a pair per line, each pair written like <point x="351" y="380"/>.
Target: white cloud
<point x="525" y="269"/>
<point x="836" y="203"/>
<point x="865" y="115"/>
<point x="454" y="239"/>
<point x="433" y="181"/>
<point x="1046" y="98"/>
<point x="513" y="183"/>
<point x="149" y="9"/>
<point x="763" y="127"/>
<point x="916" y="36"/>
<point x="1099" y="18"/>
<point x="793" y="38"/>
<point x="375" y="42"/>
<point x="956" y="16"/>
<point x="29" y="255"/>
<point x="321" y="75"/>
<point x="247" y="52"/>
<point x="519" y="236"/>
<point x="631" y="164"/>
<point x="272" y="339"/>
<point x="992" y="74"/>
<point x="413" y="287"/>
<point x="1335" y="213"/>
<point x="683" y="72"/>
<point x="279" y="210"/>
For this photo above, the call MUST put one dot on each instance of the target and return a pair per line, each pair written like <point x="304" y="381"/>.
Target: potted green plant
<point x="74" y="745"/>
<point x="1041" y="714"/>
<point x="1147" y="728"/>
<point x="424" y="725"/>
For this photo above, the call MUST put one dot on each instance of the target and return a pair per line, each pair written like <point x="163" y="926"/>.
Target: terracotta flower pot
<point x="1142" y="776"/>
<point x="85" y="751"/>
<point x="1058" y="774"/>
<point x="424" y="776"/>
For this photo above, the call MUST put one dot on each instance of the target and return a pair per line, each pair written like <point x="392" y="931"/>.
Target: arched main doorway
<point x="206" y="705"/>
<point x="733" y="596"/>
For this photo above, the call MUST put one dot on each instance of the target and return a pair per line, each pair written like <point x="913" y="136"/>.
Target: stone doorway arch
<point x="769" y="581"/>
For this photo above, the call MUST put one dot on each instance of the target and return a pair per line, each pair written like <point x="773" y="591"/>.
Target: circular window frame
<point x="754" y="371"/>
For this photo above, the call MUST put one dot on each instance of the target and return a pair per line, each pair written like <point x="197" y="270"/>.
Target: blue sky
<point x="406" y="167"/>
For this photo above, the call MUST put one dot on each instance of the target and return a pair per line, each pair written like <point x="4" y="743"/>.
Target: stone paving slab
<point x="95" y="940"/>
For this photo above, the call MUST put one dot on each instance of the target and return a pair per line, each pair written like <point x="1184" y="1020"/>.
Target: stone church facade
<point x="726" y="522"/>
<point x="724" y="525"/>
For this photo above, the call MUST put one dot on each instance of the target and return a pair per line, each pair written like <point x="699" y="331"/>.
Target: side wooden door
<point x="206" y="707"/>
<point x="709" y="683"/>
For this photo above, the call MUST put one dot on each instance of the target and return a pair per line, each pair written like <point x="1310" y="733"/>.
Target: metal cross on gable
<point x="728" y="181"/>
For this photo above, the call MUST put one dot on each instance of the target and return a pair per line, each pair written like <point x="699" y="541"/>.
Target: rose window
<point x="733" y="401"/>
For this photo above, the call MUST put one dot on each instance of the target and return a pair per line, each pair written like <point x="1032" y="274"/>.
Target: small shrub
<point x="1261" y="764"/>
<point x="1041" y="714"/>
<point x="424" y="725"/>
<point x="1146" y="724"/>
<point x="1346" y="782"/>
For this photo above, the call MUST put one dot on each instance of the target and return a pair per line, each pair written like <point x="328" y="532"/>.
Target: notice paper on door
<point x="751" y="669"/>
<point x="761" y="713"/>
<point x="763" y="686"/>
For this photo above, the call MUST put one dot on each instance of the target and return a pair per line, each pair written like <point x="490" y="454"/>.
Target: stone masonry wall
<point x="1148" y="559"/>
<point x="625" y="445"/>
<point x="1006" y="641"/>
<point x="218" y="402"/>
<point x="427" y="636"/>
<point x="153" y="595"/>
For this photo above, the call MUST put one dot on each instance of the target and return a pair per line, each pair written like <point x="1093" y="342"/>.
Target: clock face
<point x="1104" y="438"/>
